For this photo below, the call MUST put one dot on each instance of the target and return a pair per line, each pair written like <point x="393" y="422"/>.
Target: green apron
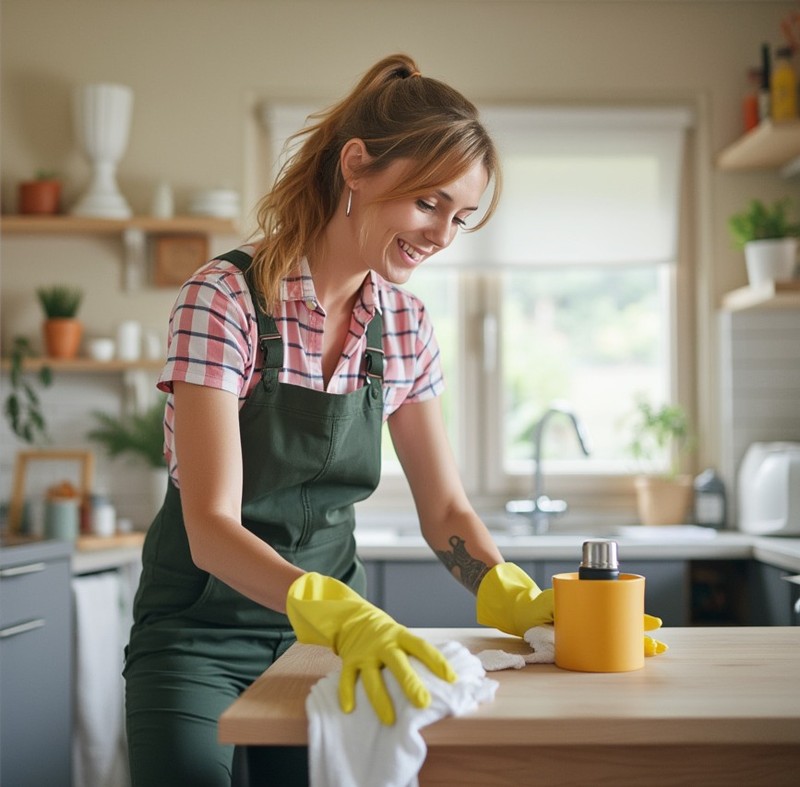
<point x="307" y="457"/>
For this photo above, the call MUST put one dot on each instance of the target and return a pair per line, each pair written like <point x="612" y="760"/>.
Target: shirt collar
<point x="299" y="286"/>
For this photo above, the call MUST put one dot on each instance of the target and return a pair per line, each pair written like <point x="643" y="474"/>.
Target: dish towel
<point x="542" y="642"/>
<point x="356" y="750"/>
<point x="99" y="715"/>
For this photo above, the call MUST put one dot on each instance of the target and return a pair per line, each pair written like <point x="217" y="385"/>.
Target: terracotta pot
<point x="62" y="337"/>
<point x="663" y="501"/>
<point x="40" y="197"/>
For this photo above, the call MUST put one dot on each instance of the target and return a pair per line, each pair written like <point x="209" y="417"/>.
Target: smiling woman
<point x="285" y="358"/>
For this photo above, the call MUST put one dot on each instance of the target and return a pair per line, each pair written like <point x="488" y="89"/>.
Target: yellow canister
<point x="599" y="624"/>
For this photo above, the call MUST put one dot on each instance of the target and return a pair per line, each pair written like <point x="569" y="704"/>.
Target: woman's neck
<point x="336" y="266"/>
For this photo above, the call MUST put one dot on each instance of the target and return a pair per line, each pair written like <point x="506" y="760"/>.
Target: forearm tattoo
<point x="465" y="568"/>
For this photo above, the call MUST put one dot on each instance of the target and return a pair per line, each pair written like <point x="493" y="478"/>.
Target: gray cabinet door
<point x="35" y="675"/>
<point x="423" y="594"/>
<point x="769" y="601"/>
<point x="666" y="588"/>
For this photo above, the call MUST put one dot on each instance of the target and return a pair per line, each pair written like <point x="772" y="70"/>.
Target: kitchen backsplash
<point x="759" y="383"/>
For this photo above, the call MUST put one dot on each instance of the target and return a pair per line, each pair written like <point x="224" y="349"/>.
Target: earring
<point x="349" y="202"/>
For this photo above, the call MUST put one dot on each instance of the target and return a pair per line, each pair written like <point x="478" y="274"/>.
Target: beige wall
<point x="198" y="67"/>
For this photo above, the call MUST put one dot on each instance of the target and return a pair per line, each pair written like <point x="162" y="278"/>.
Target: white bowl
<point x="100" y="349"/>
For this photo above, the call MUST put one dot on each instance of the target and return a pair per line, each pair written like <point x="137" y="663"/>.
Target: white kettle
<point x="769" y="489"/>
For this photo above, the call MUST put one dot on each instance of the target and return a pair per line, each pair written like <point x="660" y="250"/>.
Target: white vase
<point x="770" y="260"/>
<point x="102" y="116"/>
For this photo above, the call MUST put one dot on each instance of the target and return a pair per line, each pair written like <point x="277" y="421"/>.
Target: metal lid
<point x="600" y="554"/>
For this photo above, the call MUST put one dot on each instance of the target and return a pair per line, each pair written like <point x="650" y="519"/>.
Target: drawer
<point x="33" y="590"/>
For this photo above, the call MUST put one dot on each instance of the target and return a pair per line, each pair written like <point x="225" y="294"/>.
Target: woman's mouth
<point x="413" y="254"/>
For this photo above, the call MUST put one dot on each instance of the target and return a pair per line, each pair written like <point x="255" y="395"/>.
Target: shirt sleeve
<point x="413" y="370"/>
<point x="428" y="375"/>
<point x="210" y="333"/>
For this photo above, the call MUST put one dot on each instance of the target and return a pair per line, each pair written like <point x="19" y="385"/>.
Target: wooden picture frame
<point x="25" y="458"/>
<point x="177" y="257"/>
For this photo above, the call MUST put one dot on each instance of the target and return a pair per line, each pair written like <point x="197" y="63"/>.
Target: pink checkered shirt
<point x="213" y="340"/>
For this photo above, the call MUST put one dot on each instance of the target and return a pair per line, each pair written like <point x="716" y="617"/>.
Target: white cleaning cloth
<point x="356" y="750"/>
<point x="542" y="642"/>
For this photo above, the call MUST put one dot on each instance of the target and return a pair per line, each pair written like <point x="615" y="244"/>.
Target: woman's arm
<point x="209" y="457"/>
<point x="449" y="524"/>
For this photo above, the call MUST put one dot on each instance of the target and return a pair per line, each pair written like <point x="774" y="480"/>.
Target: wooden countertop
<point x="714" y="686"/>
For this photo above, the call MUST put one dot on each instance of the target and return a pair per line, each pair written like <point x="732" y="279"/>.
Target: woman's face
<point x="401" y="234"/>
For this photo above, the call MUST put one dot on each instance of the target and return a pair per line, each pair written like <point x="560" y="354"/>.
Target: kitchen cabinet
<point x="35" y="664"/>
<point x="666" y="589"/>
<point x="772" y="599"/>
<point x="422" y="594"/>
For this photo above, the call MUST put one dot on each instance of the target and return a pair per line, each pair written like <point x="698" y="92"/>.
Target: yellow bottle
<point x="599" y="614"/>
<point x="783" y="87"/>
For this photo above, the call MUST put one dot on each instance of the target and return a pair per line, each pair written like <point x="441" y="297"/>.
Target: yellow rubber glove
<point x="509" y="600"/>
<point x="324" y="611"/>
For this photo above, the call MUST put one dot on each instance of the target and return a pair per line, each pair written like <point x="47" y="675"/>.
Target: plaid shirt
<point x="213" y="340"/>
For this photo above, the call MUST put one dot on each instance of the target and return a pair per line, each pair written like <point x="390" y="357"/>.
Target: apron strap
<point x="373" y="356"/>
<point x="269" y="338"/>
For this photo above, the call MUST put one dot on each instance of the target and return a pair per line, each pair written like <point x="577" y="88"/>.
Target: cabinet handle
<point x="17" y="571"/>
<point x="21" y="628"/>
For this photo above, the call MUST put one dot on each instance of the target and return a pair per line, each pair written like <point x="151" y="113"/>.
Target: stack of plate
<point x="221" y="203"/>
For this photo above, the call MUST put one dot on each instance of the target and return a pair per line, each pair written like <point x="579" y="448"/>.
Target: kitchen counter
<point x="721" y="707"/>
<point x="635" y="543"/>
<point x="88" y="555"/>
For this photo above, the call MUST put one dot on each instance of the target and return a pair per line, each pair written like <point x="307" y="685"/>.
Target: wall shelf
<point x="133" y="231"/>
<point x="771" y="295"/>
<point x="83" y="365"/>
<point x="81" y="225"/>
<point x="768" y="146"/>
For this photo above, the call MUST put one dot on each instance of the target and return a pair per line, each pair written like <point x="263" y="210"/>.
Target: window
<point x="568" y="294"/>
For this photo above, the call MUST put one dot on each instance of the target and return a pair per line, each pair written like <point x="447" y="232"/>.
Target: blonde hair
<point x="398" y="113"/>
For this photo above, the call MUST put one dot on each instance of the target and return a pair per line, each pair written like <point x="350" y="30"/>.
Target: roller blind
<point x="581" y="187"/>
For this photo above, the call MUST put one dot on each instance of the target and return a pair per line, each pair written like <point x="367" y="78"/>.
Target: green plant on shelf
<point x="59" y="301"/>
<point x="22" y="406"/>
<point x="763" y="222"/>
<point x="139" y="434"/>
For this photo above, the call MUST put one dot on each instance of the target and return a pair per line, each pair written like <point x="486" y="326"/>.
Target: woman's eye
<point x="460" y="222"/>
<point x="426" y="206"/>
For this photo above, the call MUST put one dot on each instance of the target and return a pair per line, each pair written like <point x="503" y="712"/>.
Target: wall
<point x="201" y="68"/>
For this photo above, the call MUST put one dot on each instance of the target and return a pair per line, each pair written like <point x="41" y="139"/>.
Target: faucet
<point x="540" y="508"/>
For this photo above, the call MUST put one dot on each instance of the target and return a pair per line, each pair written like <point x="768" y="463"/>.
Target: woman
<point x="285" y="357"/>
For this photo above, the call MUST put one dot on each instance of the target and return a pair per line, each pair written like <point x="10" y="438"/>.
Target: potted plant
<point x="140" y="435"/>
<point x="22" y="406"/>
<point x="40" y="196"/>
<point x="663" y="496"/>
<point x="769" y="240"/>
<point x="62" y="329"/>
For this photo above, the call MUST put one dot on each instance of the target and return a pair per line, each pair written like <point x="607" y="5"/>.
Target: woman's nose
<point x="441" y="233"/>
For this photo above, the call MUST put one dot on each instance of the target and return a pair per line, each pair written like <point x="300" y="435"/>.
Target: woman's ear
<point x="352" y="159"/>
